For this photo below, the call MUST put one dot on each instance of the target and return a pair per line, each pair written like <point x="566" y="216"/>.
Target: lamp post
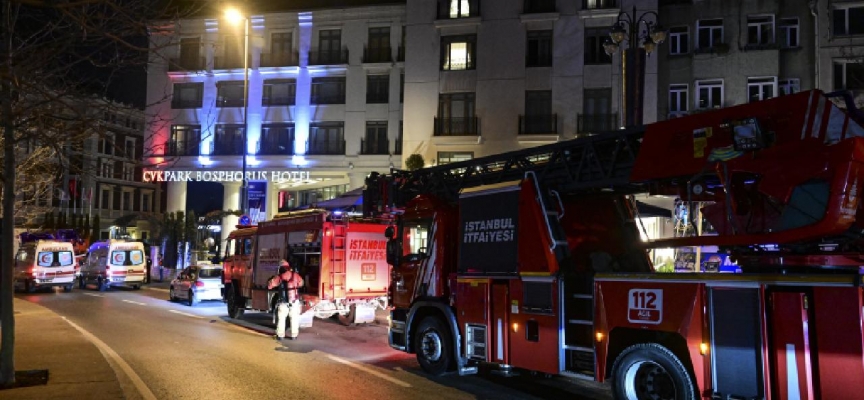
<point x="640" y="42"/>
<point x="234" y="16"/>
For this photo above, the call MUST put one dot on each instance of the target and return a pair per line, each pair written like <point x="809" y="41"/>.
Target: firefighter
<point x="288" y="304"/>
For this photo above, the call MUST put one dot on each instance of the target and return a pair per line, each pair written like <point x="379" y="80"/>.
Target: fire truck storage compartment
<point x="306" y="257"/>
<point x="489" y="222"/>
<point x="736" y="344"/>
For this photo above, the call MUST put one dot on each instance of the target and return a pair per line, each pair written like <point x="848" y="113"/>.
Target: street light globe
<point x="658" y="34"/>
<point x="618" y="33"/>
<point x="234" y="16"/>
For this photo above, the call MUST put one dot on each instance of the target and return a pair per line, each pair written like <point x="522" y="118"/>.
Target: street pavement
<point x="77" y="363"/>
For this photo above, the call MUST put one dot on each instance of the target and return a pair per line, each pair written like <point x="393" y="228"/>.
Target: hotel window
<point x="789" y="86"/>
<point x="279" y="92"/>
<point x="678" y="105"/>
<point x="709" y="94"/>
<point x="106" y="145"/>
<point x="375" y="141"/>
<point x="760" y="29"/>
<point x="190" y="50"/>
<point x="789" y="32"/>
<point x="328" y="90"/>
<point x="599" y="4"/>
<point x="187" y="95"/>
<point x="594" y="51"/>
<point x="447" y="157"/>
<point x="228" y="140"/>
<point x="846" y="19"/>
<point x="849" y="76"/>
<point x="378" y="49"/>
<point x="539" y="51"/>
<point x="107" y="168"/>
<point x="458" y="52"/>
<point x="184" y="141"/>
<point x="276" y="139"/>
<point x="280" y="43"/>
<point x="377" y="89"/>
<point x="326" y="138"/>
<point x="232" y="53"/>
<point x="709" y="33"/>
<point x="230" y="94"/>
<point x="679" y="40"/>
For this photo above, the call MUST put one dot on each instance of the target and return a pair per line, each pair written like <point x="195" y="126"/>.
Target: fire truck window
<point x="247" y="246"/>
<point x="416" y="236"/>
<point x="537" y="297"/>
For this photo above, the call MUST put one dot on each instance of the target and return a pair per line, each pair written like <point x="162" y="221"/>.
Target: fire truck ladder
<point x="338" y="256"/>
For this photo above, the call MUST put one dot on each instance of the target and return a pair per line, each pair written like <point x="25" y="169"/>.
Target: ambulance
<point x="114" y="263"/>
<point x="44" y="264"/>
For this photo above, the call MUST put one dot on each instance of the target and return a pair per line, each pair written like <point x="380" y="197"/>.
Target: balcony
<point x="277" y="148"/>
<point x="187" y="64"/>
<point x="377" y="55"/>
<point x="331" y="57"/>
<point x="325" y="148"/>
<point x="374" y="147"/>
<point x="181" y="149"/>
<point x="594" y="123"/>
<point x="465" y="126"/>
<point x="538" y="124"/>
<point x="538" y="6"/>
<point x="227" y="147"/>
<point x="229" y="62"/>
<point x="599" y="4"/>
<point x="269" y="60"/>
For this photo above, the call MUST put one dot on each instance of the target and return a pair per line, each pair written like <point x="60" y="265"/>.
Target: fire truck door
<point x="500" y="302"/>
<point x="736" y="342"/>
<point x="791" y="368"/>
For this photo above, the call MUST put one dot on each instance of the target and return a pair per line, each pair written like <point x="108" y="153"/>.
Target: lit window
<point x="458" y="52"/>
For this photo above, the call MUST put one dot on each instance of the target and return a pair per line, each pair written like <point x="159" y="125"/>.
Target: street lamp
<point x="640" y="41"/>
<point x="234" y="16"/>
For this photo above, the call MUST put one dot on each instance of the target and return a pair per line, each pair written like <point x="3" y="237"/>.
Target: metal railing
<point x="322" y="57"/>
<point x="276" y="148"/>
<point x="280" y="60"/>
<point x="332" y="147"/>
<point x="229" y="62"/>
<point x="465" y="126"/>
<point x="187" y="64"/>
<point x="179" y="149"/>
<point x="538" y="6"/>
<point x="328" y="99"/>
<point x="538" y="124"/>
<point x="587" y="123"/>
<point x="377" y="54"/>
<point x="374" y="147"/>
<point x="227" y="147"/>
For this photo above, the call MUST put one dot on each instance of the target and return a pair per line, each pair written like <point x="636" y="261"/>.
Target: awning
<point x="347" y="200"/>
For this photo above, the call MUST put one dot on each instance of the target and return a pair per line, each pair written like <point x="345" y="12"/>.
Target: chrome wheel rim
<point x="647" y="380"/>
<point x="430" y="345"/>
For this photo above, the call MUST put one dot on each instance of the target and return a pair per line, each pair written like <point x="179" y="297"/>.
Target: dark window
<point x="185" y="140"/>
<point x="277" y="139"/>
<point x="280" y="43"/>
<point x="456" y="115"/>
<point x="375" y="140"/>
<point x="451" y="9"/>
<point x="709" y="32"/>
<point x="146" y="203"/>
<point x="538" y="6"/>
<point x="847" y="21"/>
<point x="326" y="138"/>
<point x="679" y="40"/>
<point x="402" y="88"/>
<point x="328" y="90"/>
<point x="537" y="297"/>
<point x="377" y="89"/>
<point x="106" y="199"/>
<point x="187" y="95"/>
<point x="458" y="52"/>
<point x="849" y="76"/>
<point x="539" y="51"/>
<point x="228" y="140"/>
<point x="398" y="147"/>
<point x="447" y="157"/>
<point x="230" y="94"/>
<point x="538" y="116"/>
<point x="788" y="32"/>
<point x="232" y="54"/>
<point x="190" y="55"/>
<point x="378" y="50"/>
<point x="279" y="92"/>
<point x="760" y="29"/>
<point x="281" y="51"/>
<point x="329" y="48"/>
<point x="126" y="201"/>
<point x="596" y="111"/>
<point x="594" y="51"/>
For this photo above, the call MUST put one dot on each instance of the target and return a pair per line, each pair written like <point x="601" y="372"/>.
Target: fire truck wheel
<point x="234" y="310"/>
<point x="432" y="344"/>
<point x="651" y="371"/>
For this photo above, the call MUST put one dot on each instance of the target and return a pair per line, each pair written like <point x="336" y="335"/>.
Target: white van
<point x="114" y="263"/>
<point x="44" y="264"/>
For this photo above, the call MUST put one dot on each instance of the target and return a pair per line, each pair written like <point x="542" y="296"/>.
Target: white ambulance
<point x="114" y="263"/>
<point x="45" y="264"/>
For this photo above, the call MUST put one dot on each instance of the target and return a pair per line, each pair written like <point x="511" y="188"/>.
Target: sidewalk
<point x="76" y="367"/>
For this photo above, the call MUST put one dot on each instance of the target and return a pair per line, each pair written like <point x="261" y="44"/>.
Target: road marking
<point x="186" y="314"/>
<point x="370" y="371"/>
<point x="94" y="295"/>
<point x="135" y="302"/>
<point x="109" y="353"/>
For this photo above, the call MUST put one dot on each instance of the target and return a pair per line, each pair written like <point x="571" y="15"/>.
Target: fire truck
<point x="341" y="259"/>
<point x="533" y="260"/>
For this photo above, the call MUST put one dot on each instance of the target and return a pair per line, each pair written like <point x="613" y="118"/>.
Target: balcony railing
<point x="538" y="124"/>
<point x="593" y="123"/>
<point x="538" y="6"/>
<point x="338" y="98"/>
<point x="187" y="64"/>
<point x="227" y="147"/>
<point x="322" y="57"/>
<point x="322" y="148"/>
<point x="229" y="62"/>
<point x="377" y="54"/>
<point x="278" y="148"/>
<point x="374" y="147"/>
<point x="599" y="4"/>
<point x="280" y="60"/>
<point x="465" y="126"/>
<point x="179" y="149"/>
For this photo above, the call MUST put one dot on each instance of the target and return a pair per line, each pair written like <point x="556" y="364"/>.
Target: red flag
<point x="73" y="191"/>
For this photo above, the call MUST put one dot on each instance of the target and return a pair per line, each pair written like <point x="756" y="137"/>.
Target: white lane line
<point x="370" y="371"/>
<point x="135" y="302"/>
<point x="94" y="295"/>
<point x="110" y="353"/>
<point x="186" y="314"/>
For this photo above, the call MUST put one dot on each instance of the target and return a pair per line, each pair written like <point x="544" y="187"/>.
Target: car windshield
<point x="210" y="273"/>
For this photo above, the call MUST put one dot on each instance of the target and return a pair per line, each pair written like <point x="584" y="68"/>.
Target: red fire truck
<point x="341" y="258"/>
<point x="533" y="259"/>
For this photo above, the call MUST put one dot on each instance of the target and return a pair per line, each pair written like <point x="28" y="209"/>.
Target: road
<point x="179" y="352"/>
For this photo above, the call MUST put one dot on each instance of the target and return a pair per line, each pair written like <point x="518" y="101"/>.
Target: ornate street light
<point x="642" y="37"/>
<point x="235" y="17"/>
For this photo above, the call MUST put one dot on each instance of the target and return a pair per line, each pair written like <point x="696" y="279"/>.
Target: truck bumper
<point x="396" y="333"/>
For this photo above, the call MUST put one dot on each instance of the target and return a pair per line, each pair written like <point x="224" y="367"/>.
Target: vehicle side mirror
<point x="394" y="250"/>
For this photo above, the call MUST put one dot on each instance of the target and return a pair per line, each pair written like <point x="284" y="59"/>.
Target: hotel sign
<point x="226" y="176"/>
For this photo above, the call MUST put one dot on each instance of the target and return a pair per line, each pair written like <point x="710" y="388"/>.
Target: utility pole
<point x="7" y="316"/>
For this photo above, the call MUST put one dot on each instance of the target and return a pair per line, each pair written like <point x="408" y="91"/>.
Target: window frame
<point x="761" y="83"/>
<point x="788" y="31"/>
<point x="267" y="99"/>
<point x="846" y="27"/>
<point x="709" y="84"/>
<point x="543" y="50"/>
<point x="319" y="83"/>
<point x="681" y="94"/>
<point x="700" y="26"/>
<point x="784" y="86"/>
<point x="756" y="22"/>
<point x="223" y="100"/>
<point x="594" y="52"/>
<point x="179" y="102"/>
<point x="377" y="89"/>
<point x="454" y="156"/>
<point x="841" y="72"/>
<point x="677" y="40"/>
<point x="470" y="42"/>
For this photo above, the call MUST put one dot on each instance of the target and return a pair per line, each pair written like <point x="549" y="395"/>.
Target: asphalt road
<point x="182" y="352"/>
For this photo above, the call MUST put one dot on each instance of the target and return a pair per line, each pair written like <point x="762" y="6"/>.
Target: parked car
<point x="197" y="283"/>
